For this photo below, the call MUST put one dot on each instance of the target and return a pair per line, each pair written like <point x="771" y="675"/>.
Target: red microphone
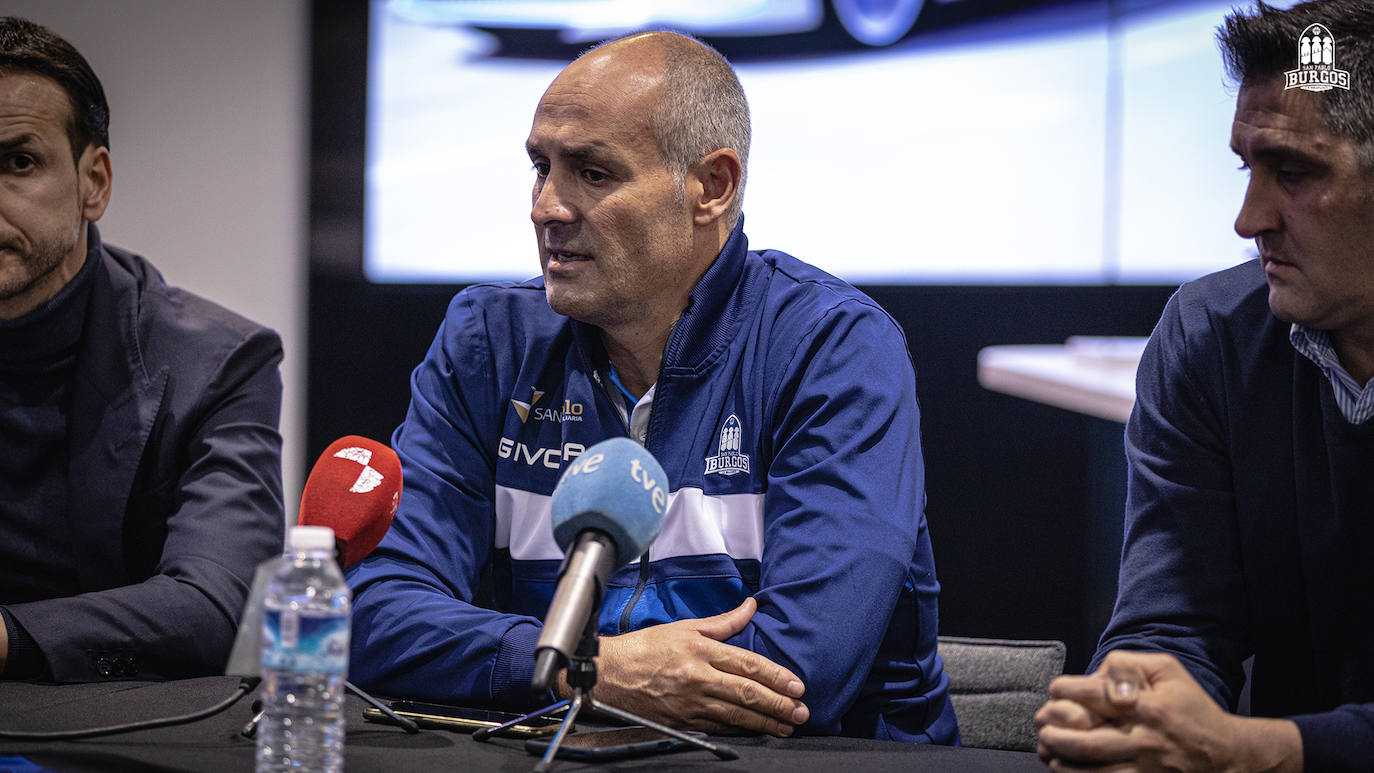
<point x="353" y="489"/>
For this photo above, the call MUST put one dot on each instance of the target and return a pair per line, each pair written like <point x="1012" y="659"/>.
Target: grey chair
<point x="996" y="686"/>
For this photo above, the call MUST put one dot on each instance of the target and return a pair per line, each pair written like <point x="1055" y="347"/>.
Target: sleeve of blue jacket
<point x="847" y="588"/>
<point x="416" y="629"/>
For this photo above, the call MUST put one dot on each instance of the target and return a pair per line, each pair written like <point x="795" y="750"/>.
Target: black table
<point x="214" y="744"/>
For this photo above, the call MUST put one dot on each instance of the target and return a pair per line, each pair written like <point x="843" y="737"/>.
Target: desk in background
<point x="1094" y="376"/>
<point x="214" y="744"/>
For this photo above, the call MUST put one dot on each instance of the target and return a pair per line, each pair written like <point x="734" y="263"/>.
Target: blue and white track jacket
<point x="785" y="417"/>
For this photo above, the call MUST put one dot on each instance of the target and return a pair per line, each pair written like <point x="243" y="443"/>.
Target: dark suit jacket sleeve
<point x="1181" y="587"/>
<point x="209" y="491"/>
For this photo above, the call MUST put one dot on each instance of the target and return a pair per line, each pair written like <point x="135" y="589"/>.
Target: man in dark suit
<point x="140" y="477"/>
<point x="1250" y="498"/>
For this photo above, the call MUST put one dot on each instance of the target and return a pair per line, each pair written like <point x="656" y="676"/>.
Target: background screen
<point x="1070" y="142"/>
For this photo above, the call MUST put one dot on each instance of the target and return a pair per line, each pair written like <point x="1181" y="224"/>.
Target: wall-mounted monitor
<point x="963" y="141"/>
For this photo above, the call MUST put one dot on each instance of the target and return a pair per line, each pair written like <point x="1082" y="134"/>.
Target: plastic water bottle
<point x="304" y="658"/>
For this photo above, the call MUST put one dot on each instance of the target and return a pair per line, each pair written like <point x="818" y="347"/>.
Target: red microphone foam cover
<point x="353" y="489"/>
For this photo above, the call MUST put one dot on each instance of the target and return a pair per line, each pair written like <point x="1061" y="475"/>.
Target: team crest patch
<point x="728" y="459"/>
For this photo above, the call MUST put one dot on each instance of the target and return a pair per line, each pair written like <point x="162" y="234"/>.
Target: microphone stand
<point x="582" y="678"/>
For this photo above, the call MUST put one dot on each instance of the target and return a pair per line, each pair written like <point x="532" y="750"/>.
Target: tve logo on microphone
<point x="590" y="463"/>
<point x="659" y="497"/>
<point x="369" y="478"/>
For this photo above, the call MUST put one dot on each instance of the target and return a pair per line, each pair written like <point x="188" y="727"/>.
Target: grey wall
<point x="209" y="108"/>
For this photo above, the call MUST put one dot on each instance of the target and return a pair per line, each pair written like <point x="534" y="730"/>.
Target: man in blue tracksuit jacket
<point x="792" y="584"/>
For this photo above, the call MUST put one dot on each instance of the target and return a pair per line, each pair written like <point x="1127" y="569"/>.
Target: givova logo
<point x="728" y="459"/>
<point x="1316" y="63"/>
<point x="531" y="456"/>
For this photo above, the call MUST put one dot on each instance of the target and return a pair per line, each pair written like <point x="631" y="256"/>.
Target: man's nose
<point x="550" y="207"/>
<point x="1257" y="212"/>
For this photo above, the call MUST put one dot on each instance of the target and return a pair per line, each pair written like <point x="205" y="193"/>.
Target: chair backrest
<point x="997" y="685"/>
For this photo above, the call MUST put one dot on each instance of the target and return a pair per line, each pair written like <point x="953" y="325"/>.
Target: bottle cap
<point x="311" y="538"/>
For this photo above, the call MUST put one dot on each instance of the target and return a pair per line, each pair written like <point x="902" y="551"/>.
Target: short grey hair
<point x="702" y="109"/>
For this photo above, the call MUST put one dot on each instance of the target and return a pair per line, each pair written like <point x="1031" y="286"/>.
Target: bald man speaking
<point x="792" y="587"/>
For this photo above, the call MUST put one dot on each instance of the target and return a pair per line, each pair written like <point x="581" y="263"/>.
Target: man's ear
<point x="717" y="178"/>
<point x="96" y="177"/>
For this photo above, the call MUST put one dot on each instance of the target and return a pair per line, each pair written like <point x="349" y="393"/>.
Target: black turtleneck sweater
<point x="37" y="362"/>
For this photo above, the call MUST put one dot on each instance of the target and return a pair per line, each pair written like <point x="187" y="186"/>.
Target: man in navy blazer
<point x="140" y="476"/>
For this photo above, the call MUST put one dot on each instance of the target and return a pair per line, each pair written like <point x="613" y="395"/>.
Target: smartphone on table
<point x="602" y="745"/>
<point x="463" y="718"/>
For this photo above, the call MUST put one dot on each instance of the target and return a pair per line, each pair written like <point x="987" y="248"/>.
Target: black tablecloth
<point x="214" y="744"/>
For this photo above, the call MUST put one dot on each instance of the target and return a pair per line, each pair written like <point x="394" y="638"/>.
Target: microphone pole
<point x="593" y="558"/>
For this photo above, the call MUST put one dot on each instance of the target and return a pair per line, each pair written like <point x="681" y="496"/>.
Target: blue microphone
<point x="607" y="508"/>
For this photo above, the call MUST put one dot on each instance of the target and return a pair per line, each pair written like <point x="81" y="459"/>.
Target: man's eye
<point x="541" y="168"/>
<point x="18" y="163"/>
<point x="1291" y="175"/>
<point x="593" y="175"/>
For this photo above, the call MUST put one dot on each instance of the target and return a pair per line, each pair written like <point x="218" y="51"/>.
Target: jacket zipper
<point x="624" y="625"/>
<point x="639" y="591"/>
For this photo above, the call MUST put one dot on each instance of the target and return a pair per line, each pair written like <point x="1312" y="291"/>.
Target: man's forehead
<point x="1291" y="108"/>
<point x="28" y="98"/>
<point x="580" y="120"/>
<point x="572" y="125"/>
<point x="620" y="76"/>
<point x="1270" y="117"/>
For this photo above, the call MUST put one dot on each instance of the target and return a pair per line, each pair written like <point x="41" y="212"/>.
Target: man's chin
<point x="1285" y="307"/>
<point x="566" y="303"/>
<point x="16" y="282"/>
<point x="591" y="310"/>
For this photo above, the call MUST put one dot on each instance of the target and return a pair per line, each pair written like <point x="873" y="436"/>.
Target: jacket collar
<point x="114" y="403"/>
<point x="708" y="323"/>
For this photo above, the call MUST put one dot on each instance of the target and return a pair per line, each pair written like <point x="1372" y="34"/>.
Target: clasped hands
<point x="1143" y="711"/>
<point x="684" y="675"/>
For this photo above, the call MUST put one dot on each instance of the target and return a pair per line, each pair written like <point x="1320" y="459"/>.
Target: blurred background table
<point x="1094" y="376"/>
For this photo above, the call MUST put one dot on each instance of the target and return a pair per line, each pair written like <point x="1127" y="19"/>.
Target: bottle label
<point x="295" y="642"/>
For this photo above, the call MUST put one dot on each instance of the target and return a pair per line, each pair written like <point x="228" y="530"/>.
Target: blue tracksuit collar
<point x="712" y="312"/>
